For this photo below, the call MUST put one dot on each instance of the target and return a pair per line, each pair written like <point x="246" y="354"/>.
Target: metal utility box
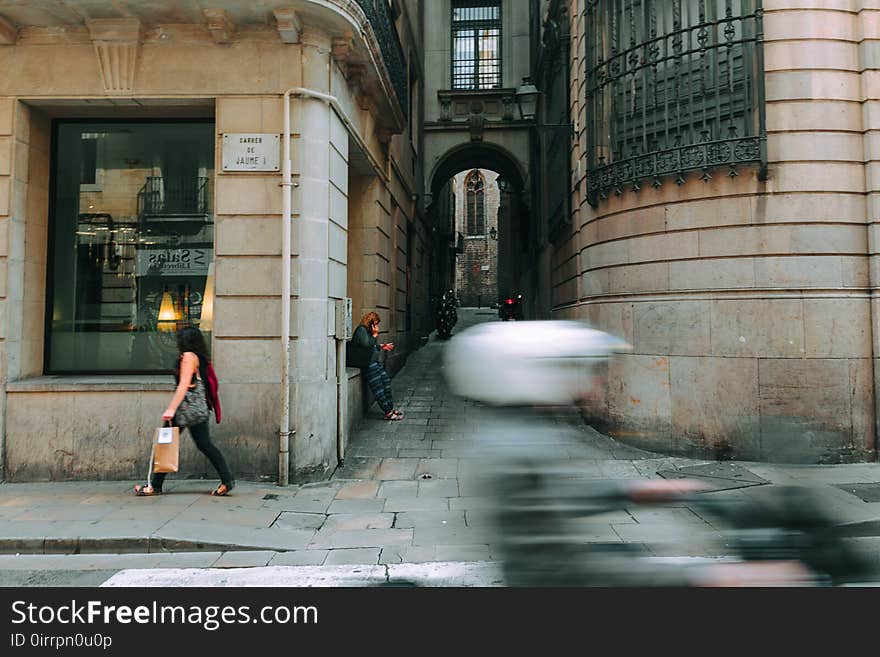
<point x="343" y="319"/>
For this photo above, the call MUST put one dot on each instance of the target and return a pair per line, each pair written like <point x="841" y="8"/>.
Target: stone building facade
<point x="477" y="203"/>
<point x="141" y="188"/>
<point x="746" y="283"/>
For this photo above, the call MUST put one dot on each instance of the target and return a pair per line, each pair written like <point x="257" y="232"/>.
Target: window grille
<point x="476" y="44"/>
<point x="475" y="199"/>
<point x="673" y="86"/>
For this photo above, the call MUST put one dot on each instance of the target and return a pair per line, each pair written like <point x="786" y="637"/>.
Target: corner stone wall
<point x="749" y="304"/>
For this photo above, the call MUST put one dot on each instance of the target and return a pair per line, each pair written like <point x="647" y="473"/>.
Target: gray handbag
<point x="194" y="407"/>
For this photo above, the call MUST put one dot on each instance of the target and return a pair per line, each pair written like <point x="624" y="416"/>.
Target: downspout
<point x="287" y="189"/>
<point x="287" y="185"/>
<point x="341" y="401"/>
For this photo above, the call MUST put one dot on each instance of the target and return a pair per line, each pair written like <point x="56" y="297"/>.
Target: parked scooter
<point x="447" y="315"/>
<point x="511" y="308"/>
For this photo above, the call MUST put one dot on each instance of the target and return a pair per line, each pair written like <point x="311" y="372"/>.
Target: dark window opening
<point x="475" y="199"/>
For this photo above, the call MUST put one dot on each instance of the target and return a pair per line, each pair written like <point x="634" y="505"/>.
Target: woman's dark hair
<point x="189" y="338"/>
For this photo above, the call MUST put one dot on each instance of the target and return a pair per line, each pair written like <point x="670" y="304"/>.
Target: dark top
<point x="363" y="349"/>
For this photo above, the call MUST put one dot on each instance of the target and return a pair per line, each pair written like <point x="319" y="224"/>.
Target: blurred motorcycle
<point x="518" y="371"/>
<point x="784" y="539"/>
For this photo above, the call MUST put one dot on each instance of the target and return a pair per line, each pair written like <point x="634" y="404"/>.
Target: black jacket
<point x="362" y="350"/>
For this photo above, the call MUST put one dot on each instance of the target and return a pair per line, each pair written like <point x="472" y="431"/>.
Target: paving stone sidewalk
<point x="410" y="492"/>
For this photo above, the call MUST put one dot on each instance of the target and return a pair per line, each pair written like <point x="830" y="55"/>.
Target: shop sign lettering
<point x="174" y="262"/>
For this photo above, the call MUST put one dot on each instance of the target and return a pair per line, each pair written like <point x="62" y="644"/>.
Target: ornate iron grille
<point x="379" y="15"/>
<point x="673" y="86"/>
<point x="476" y="44"/>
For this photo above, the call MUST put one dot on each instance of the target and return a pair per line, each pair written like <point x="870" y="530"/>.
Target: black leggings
<point x="201" y="434"/>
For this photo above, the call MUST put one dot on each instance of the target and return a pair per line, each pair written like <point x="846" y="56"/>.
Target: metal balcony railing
<point x="173" y="197"/>
<point x="379" y="14"/>
<point x="673" y="86"/>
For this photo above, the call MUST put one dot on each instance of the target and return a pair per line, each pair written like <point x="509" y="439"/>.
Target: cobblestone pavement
<point x="409" y="492"/>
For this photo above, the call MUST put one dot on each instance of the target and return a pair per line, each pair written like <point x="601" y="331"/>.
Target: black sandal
<point x="146" y="491"/>
<point x="222" y="490"/>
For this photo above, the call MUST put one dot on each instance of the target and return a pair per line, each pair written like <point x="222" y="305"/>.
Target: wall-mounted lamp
<point x="527" y="100"/>
<point x="527" y="95"/>
<point x="493" y="233"/>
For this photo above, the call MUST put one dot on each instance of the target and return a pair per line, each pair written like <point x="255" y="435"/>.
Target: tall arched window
<point x="475" y="203"/>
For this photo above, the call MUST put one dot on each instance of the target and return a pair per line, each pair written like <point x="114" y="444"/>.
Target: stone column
<point x="7" y="112"/>
<point x="247" y="310"/>
<point x="321" y="167"/>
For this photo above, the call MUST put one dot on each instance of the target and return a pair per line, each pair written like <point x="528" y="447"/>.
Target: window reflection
<point x="132" y="243"/>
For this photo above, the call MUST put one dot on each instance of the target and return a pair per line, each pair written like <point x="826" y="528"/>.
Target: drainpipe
<point x="341" y="401"/>
<point x="287" y="185"/>
<point x="287" y="189"/>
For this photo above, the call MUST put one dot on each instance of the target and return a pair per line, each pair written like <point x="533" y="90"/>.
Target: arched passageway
<point x="484" y="256"/>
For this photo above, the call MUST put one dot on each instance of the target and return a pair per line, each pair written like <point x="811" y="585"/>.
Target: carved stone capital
<point x="288" y="25"/>
<point x="476" y="125"/>
<point x="312" y="37"/>
<point x="508" y="102"/>
<point x="355" y="74"/>
<point x="384" y="135"/>
<point x="8" y="33"/>
<point x="117" y="45"/>
<point x="446" y="109"/>
<point x="341" y="48"/>
<point x="220" y="25"/>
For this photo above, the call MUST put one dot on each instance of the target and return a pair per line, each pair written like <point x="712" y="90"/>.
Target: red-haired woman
<point x="364" y="353"/>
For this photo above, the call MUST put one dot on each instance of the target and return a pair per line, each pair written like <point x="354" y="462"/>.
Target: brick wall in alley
<point x="476" y="270"/>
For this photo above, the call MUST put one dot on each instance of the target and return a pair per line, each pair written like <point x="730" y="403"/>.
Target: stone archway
<point x="513" y="225"/>
<point x="479" y="155"/>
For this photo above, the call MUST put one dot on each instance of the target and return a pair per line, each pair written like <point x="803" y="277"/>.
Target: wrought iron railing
<point x="673" y="86"/>
<point x="379" y="14"/>
<point x="167" y="197"/>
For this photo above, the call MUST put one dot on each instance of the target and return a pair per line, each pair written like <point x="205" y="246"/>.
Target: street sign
<point x="251" y="152"/>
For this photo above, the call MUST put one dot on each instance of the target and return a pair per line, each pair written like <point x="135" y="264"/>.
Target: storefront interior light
<point x="206" y="321"/>
<point x="168" y="315"/>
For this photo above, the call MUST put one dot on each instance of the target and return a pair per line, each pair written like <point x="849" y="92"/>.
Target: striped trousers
<point x="380" y="386"/>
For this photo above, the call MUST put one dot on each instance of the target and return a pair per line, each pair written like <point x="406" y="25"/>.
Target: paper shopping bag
<point x="166" y="448"/>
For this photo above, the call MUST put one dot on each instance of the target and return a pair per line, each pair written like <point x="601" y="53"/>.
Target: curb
<point x="121" y="545"/>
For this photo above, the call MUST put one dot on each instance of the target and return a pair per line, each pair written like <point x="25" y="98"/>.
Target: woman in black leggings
<point x="192" y="367"/>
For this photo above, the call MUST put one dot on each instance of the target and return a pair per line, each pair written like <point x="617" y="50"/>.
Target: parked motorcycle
<point x="511" y="308"/>
<point x="447" y="315"/>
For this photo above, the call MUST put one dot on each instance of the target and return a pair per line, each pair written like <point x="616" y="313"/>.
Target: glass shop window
<point x="131" y="244"/>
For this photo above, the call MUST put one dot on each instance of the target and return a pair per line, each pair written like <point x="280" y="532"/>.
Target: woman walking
<point x="364" y="353"/>
<point x="195" y="378"/>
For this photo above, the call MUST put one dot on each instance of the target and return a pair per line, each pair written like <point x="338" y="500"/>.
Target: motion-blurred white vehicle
<point x="536" y="363"/>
